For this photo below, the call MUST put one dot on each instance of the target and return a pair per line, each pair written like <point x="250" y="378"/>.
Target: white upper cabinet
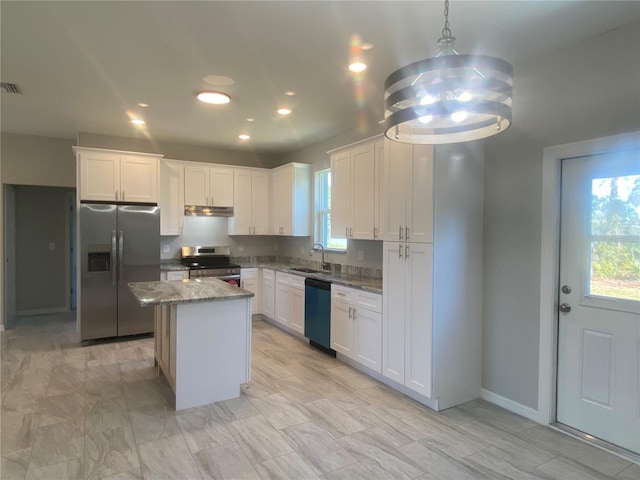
<point x="406" y="207"/>
<point x="355" y="192"/>
<point x="112" y="176"/>
<point x="171" y="197"/>
<point x="208" y="186"/>
<point x="290" y="195"/>
<point x="251" y="202"/>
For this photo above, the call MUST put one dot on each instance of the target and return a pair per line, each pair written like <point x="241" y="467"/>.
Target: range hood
<point x="200" y="211"/>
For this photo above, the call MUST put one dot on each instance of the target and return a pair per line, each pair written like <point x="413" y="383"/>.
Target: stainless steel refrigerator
<point x="118" y="244"/>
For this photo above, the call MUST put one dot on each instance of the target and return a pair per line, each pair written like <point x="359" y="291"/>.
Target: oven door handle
<point x="227" y="277"/>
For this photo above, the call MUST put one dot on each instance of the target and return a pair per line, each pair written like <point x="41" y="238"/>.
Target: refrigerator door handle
<point x="113" y="257"/>
<point x="120" y="256"/>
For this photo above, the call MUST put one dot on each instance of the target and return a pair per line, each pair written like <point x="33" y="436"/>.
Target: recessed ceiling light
<point x="251" y="119"/>
<point x="137" y="121"/>
<point x="217" y="98"/>
<point x="357" y="67"/>
<point x="290" y="93"/>
<point x="143" y="105"/>
<point x="284" y="111"/>
<point x="244" y="136"/>
<point x="366" y="46"/>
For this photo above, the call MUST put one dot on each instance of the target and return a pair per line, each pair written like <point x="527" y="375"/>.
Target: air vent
<point x="10" y="88"/>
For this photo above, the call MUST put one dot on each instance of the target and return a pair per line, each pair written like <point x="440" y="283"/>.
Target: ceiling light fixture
<point x="216" y="98"/>
<point x="244" y="136"/>
<point x="251" y="119"/>
<point x="289" y="93"/>
<point x="143" y="105"/>
<point x="138" y="122"/>
<point x="284" y="111"/>
<point x="450" y="98"/>
<point x="357" y="67"/>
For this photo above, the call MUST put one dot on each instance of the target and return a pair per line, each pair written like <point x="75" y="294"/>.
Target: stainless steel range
<point x="211" y="262"/>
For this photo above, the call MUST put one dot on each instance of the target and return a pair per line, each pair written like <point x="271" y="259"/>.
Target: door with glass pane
<point x="599" y="302"/>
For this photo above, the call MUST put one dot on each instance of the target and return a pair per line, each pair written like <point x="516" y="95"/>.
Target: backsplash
<point x="362" y="258"/>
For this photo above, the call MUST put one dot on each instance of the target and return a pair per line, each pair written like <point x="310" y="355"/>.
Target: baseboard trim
<point x="515" y="407"/>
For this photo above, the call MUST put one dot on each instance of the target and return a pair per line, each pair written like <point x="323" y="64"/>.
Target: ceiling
<point x="85" y="66"/>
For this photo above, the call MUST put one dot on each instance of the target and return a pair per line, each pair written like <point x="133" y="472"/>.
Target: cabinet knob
<point x="400" y="232"/>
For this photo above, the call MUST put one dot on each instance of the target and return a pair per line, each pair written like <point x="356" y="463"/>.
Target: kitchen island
<point x="202" y="335"/>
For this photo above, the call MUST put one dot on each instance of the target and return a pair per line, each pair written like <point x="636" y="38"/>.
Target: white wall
<point x="585" y="91"/>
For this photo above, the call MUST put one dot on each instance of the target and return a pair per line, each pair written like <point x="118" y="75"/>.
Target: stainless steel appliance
<point x="118" y="244"/>
<point x="211" y="262"/>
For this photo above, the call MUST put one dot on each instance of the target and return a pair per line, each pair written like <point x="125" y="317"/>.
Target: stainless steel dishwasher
<point x="317" y="314"/>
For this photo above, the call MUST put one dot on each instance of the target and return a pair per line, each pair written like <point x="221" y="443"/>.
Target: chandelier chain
<point x="446" y="31"/>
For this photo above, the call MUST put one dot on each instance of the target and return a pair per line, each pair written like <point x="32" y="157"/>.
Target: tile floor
<point x="101" y="412"/>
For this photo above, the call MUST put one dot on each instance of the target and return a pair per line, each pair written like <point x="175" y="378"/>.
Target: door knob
<point x="564" y="308"/>
<point x="566" y="289"/>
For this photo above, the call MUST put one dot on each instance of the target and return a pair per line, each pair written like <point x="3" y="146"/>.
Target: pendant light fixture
<point x="450" y="98"/>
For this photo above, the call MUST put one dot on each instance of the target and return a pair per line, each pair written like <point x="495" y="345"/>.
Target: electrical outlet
<point x="52" y="246"/>
<point x="165" y="248"/>
<point x="361" y="255"/>
<point x="241" y="247"/>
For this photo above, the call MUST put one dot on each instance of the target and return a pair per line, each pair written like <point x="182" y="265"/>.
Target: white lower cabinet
<point x="407" y="310"/>
<point x="269" y="293"/>
<point x="289" y="304"/>
<point x="356" y="325"/>
<point x="250" y="280"/>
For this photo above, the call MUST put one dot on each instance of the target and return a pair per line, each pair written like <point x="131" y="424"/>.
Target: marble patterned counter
<point x="202" y="332"/>
<point x="186" y="291"/>
<point x="369" y="284"/>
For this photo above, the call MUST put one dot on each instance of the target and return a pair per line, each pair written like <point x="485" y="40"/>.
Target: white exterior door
<point x="599" y="302"/>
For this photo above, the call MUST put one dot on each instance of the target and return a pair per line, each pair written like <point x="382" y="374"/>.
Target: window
<point x="615" y="237"/>
<point x="323" y="213"/>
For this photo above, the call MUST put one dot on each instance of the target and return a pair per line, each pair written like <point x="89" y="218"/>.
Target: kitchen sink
<point x="305" y="270"/>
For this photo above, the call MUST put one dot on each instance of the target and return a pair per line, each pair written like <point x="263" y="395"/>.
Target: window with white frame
<point x="323" y="213"/>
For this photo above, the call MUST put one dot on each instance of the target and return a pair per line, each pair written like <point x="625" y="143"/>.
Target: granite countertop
<point x="186" y="291"/>
<point x="369" y="284"/>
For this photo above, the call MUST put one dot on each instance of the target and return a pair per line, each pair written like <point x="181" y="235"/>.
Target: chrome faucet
<point x="323" y="265"/>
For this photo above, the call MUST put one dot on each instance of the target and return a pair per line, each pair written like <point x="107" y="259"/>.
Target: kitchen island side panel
<point x="213" y="351"/>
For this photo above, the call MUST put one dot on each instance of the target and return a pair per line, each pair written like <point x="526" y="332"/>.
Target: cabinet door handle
<point x="254" y="230"/>
<point x="406" y="250"/>
<point x="211" y="201"/>
<point x="406" y="234"/>
<point x="346" y="232"/>
<point x="116" y="195"/>
<point x="400" y="251"/>
<point x="375" y="232"/>
<point x="350" y="312"/>
<point x="400" y="232"/>
<point x="355" y="313"/>
<point x="350" y="232"/>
